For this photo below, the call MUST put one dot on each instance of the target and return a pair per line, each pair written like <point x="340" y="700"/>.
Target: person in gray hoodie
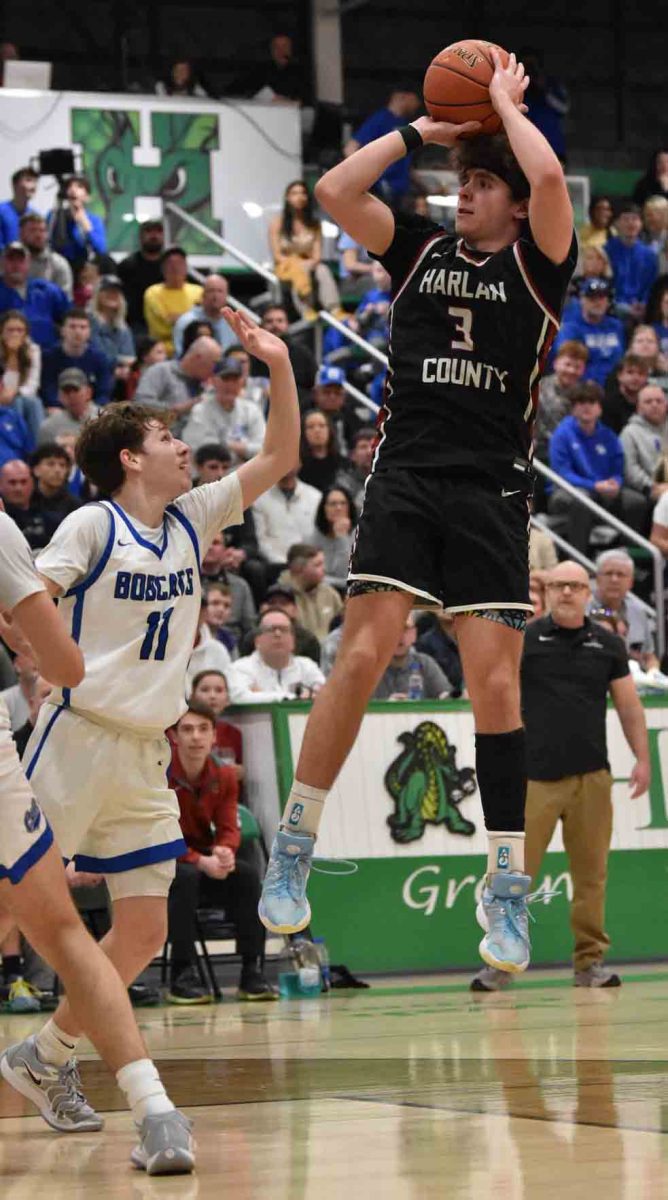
<point x="645" y="441"/>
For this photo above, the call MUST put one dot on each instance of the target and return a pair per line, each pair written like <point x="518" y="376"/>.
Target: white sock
<point x="54" y="1046"/>
<point x="304" y="809"/>
<point x="143" y="1089"/>
<point x="505" y="852"/>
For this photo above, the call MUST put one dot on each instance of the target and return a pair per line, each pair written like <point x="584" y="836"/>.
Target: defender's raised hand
<point x="257" y="341"/>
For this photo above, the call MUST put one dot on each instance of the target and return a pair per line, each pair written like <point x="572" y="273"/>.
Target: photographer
<point x="73" y="231"/>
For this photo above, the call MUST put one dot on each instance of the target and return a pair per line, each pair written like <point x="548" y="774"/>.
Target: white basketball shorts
<point x="25" y="834"/>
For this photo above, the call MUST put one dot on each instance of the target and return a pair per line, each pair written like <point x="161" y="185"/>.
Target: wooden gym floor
<point x="414" y="1089"/>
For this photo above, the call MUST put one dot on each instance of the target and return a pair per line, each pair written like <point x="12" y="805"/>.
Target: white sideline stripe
<point x="398" y="583"/>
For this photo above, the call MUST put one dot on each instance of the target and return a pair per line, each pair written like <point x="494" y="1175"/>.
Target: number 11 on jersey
<point x="155" y="621"/>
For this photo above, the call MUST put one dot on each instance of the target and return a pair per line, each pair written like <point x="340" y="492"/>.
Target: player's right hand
<point x="442" y="133"/>
<point x="260" y="343"/>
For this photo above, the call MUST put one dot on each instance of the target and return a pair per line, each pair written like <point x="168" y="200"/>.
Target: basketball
<point x="456" y="85"/>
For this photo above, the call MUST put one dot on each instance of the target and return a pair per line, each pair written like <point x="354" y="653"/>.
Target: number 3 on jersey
<point x="154" y="621"/>
<point x="463" y="324"/>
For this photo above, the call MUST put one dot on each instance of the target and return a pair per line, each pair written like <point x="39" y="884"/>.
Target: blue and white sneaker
<point x="283" y="906"/>
<point x="502" y="913"/>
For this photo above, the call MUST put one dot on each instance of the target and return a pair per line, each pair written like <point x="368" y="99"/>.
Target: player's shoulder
<point x="89" y="519"/>
<point x="11" y="534"/>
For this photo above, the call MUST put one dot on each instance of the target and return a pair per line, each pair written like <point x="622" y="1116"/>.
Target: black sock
<point x="500" y="763"/>
<point x="12" y="967"/>
<point x="177" y="968"/>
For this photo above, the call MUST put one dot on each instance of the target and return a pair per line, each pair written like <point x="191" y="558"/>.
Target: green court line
<point x="425" y="989"/>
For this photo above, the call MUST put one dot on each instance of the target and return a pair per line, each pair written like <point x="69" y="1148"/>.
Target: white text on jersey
<point x="456" y="283"/>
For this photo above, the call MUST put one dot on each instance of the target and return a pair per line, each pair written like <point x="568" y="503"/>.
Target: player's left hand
<point x="639" y="779"/>
<point x="257" y="341"/>
<point x="507" y="83"/>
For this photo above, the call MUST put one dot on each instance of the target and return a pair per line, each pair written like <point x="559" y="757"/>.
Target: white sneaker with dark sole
<point x="55" y="1090"/>
<point x="166" y="1145"/>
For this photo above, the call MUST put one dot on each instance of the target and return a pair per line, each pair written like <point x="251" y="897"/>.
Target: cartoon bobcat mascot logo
<point x="426" y="785"/>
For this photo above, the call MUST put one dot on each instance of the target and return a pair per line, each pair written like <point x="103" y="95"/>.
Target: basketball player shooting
<point x="128" y="572"/>
<point x="445" y="515"/>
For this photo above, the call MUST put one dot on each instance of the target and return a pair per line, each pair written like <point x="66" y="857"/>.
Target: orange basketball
<point x="456" y="86"/>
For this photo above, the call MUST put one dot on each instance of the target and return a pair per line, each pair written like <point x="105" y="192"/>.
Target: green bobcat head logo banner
<point x="181" y="145"/>
<point x="426" y="785"/>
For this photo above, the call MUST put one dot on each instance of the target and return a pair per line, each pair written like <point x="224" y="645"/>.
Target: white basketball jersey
<point x="135" y="618"/>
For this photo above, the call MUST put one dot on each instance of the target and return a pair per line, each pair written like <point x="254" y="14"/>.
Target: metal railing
<point x="629" y="534"/>
<point x="604" y="517"/>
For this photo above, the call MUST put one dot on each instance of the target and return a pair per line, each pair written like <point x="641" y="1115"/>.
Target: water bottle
<point x="415" y="681"/>
<point x="323" y="955"/>
<point x="307" y="965"/>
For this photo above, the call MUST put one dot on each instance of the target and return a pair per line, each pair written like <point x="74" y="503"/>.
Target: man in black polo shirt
<point x="570" y="665"/>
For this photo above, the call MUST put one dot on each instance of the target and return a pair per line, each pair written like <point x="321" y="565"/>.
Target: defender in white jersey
<point x="35" y="895"/>
<point x="127" y="570"/>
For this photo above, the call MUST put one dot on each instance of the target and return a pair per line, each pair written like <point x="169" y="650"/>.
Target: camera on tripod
<point x="64" y="165"/>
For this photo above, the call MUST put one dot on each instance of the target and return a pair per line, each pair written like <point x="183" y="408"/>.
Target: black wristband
<point x="411" y="137"/>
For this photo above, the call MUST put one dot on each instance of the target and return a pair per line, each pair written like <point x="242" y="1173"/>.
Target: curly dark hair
<point x="493" y="153"/>
<point x="119" y="427"/>
<point x="321" y="523"/>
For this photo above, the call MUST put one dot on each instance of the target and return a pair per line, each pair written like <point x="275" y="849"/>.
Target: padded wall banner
<point x="225" y="164"/>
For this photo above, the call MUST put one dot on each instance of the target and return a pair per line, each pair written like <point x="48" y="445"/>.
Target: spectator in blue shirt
<point x="42" y="303"/>
<point x="602" y="334"/>
<point x="372" y="312"/>
<point x="589" y="456"/>
<point x="73" y="231"/>
<point x="402" y="106"/>
<point x="24" y="186"/>
<point x="635" y="266"/>
<point x="16" y="440"/>
<point x="75" y="350"/>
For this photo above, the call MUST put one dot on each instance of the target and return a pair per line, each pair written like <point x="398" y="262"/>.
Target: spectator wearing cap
<point x="281" y="595"/>
<point x="214" y="299"/>
<point x="212" y="462"/>
<point x="75" y="232"/>
<point x="224" y="417"/>
<point x="165" y="302"/>
<point x="273" y="671"/>
<point x="177" y="385"/>
<point x="602" y="334"/>
<point x="42" y="303"/>
<point x="52" y="497"/>
<point x="109" y="325"/>
<point x="76" y="349"/>
<point x="75" y="407"/>
<point x="45" y="263"/>
<point x="329" y="397"/>
<point x="622" y="390"/>
<point x="285" y="515"/>
<point x="24" y="186"/>
<point x="589" y="456"/>
<point x="635" y="266"/>
<point x="141" y="270"/>
<point x="318" y="603"/>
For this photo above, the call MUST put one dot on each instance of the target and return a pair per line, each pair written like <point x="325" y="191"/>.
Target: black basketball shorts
<point x="459" y="542"/>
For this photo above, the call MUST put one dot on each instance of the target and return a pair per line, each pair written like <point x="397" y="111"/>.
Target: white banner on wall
<point x="416" y="768"/>
<point x="225" y="163"/>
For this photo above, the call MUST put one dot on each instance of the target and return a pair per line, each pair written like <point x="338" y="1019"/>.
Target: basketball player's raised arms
<point x="550" y="209"/>
<point x="344" y="191"/>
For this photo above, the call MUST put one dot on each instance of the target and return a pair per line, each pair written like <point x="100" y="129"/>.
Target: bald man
<point x="569" y="667"/>
<point x="178" y="384"/>
<point x="214" y="299"/>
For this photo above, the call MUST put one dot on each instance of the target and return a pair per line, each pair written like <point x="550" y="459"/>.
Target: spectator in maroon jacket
<point x="210" y="873"/>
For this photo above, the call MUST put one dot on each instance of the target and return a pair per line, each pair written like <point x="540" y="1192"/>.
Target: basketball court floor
<point x="414" y="1089"/>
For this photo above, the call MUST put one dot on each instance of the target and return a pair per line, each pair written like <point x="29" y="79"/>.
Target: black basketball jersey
<point x="470" y="332"/>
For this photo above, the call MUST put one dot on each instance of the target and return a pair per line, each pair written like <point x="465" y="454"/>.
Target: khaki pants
<point x="583" y="804"/>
